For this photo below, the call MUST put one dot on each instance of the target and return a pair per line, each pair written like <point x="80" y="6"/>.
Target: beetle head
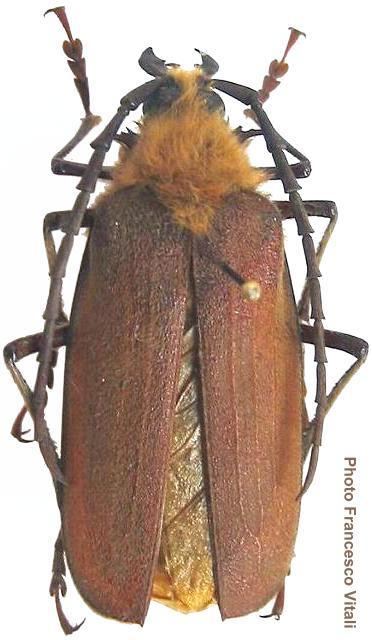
<point x="170" y="90"/>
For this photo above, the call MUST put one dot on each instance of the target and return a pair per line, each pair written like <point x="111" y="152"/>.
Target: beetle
<point x="178" y="327"/>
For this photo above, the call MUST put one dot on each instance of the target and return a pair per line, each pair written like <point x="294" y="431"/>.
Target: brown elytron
<point x="252" y="396"/>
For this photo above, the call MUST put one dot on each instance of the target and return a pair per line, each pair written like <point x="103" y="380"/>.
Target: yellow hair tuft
<point x="188" y="156"/>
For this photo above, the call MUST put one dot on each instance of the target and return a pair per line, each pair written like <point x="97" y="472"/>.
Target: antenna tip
<point x="297" y="32"/>
<point x="251" y="290"/>
<point x="53" y="10"/>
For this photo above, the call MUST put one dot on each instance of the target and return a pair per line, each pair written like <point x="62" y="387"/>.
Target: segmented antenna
<point x="277" y="69"/>
<point x="73" y="48"/>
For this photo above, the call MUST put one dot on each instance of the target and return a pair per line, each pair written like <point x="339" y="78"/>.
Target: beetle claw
<point x="278" y="607"/>
<point x="56" y="589"/>
<point x="17" y="427"/>
<point x="271" y="615"/>
<point x="67" y="627"/>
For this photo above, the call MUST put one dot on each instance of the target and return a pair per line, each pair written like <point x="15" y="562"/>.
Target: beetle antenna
<point x="250" y="289"/>
<point x="73" y="48"/>
<point x="277" y="69"/>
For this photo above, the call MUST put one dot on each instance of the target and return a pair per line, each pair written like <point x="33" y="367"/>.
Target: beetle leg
<point x="58" y="221"/>
<point x="300" y="169"/>
<point x="342" y="342"/>
<point x="62" y="167"/>
<point x="16" y="431"/>
<point x="58" y="585"/>
<point x="278" y="605"/>
<point x="23" y="347"/>
<point x="321" y="209"/>
<point x="15" y="351"/>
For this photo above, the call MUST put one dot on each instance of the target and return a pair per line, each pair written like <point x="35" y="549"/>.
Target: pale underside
<point x="184" y="576"/>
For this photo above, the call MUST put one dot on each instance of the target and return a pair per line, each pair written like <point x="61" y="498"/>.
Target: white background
<point x="322" y="107"/>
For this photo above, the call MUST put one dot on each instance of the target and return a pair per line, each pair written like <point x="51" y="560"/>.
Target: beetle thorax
<point x="188" y="156"/>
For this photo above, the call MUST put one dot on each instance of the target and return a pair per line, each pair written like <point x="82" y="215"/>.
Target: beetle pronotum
<point x="210" y="256"/>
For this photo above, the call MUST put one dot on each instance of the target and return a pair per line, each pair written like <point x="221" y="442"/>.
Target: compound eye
<point x="214" y="102"/>
<point x="163" y="98"/>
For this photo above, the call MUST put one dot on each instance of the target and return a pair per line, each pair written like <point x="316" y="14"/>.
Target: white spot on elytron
<point x="103" y="379"/>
